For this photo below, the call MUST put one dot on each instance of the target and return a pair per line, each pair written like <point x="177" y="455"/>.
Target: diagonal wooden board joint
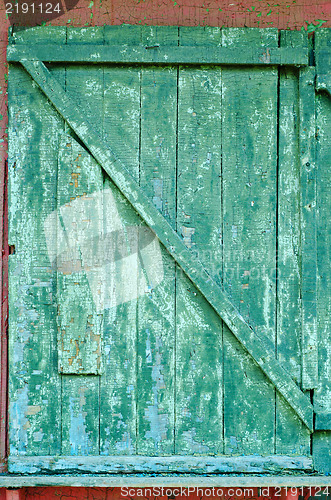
<point x="258" y="346"/>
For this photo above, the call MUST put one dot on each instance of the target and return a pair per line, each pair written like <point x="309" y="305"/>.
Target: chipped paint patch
<point x="158" y="422"/>
<point x="187" y="233"/>
<point x="19" y="422"/>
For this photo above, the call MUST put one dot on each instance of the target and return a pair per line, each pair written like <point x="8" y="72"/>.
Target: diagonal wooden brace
<point x="258" y="346"/>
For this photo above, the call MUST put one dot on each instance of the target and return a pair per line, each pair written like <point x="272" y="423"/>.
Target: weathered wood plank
<point x="156" y="308"/>
<point x="250" y="464"/>
<point x="322" y="452"/>
<point x="118" y="403"/>
<point x="249" y="163"/>
<point x="4" y="316"/>
<point x="323" y="421"/>
<point x="199" y="395"/>
<point x="165" y="55"/>
<point x="322" y="393"/>
<point x="77" y="220"/>
<point x="291" y="435"/>
<point x="34" y="384"/>
<point x="260" y="350"/>
<point x="80" y="394"/>
<point x="323" y="59"/>
<point x="80" y="416"/>
<point x="308" y="227"/>
<point x="75" y="227"/>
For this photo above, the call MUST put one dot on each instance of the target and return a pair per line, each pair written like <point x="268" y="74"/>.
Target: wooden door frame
<point x="258" y="346"/>
<point x="33" y="64"/>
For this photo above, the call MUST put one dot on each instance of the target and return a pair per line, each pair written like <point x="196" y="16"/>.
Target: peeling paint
<point x="187" y="233"/>
<point x="203" y="336"/>
<point x="159" y="423"/>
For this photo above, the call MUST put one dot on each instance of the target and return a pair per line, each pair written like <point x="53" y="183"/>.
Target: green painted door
<point x="169" y="287"/>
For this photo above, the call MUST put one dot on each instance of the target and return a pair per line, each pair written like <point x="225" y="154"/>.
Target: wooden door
<point x="163" y="290"/>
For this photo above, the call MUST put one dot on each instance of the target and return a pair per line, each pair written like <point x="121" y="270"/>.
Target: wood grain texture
<point x="322" y="394"/>
<point x="4" y="316"/>
<point x="249" y="153"/>
<point x="199" y="391"/>
<point x="77" y="222"/>
<point x="80" y="394"/>
<point x="323" y="60"/>
<point x="255" y="464"/>
<point x="260" y="350"/>
<point x="163" y="53"/>
<point x="282" y="16"/>
<point x="291" y="436"/>
<point x="322" y="452"/>
<point x="34" y="383"/>
<point x="118" y="409"/>
<point x="80" y="415"/>
<point x="156" y="308"/>
<point x="80" y="348"/>
<point x="308" y="227"/>
<point x="156" y="382"/>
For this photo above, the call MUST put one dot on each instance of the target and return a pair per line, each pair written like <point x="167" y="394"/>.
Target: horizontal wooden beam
<point x="120" y="54"/>
<point x="187" y="481"/>
<point x="273" y="464"/>
<point x="258" y="345"/>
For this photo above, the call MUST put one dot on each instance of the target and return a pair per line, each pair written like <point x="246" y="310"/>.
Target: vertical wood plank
<point x="80" y="418"/>
<point x="78" y="224"/>
<point x="322" y="452"/>
<point x="156" y="309"/>
<point x="80" y="214"/>
<point x="121" y="118"/>
<point x="291" y="435"/>
<point x="308" y="227"/>
<point x="322" y="393"/>
<point x="80" y="394"/>
<point x="4" y="318"/>
<point x="249" y="163"/>
<point x="322" y="42"/>
<point x="34" y="384"/>
<point x="199" y="397"/>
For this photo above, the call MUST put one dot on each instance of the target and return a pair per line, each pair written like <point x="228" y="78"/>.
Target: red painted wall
<point x="281" y="14"/>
